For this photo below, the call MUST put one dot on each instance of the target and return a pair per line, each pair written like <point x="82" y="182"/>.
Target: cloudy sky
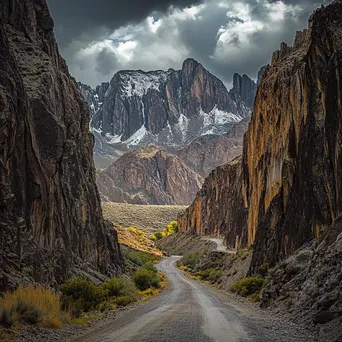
<point x="100" y="37"/>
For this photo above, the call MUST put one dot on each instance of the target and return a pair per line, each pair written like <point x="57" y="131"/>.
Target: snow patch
<point x="138" y="83"/>
<point x="137" y="137"/>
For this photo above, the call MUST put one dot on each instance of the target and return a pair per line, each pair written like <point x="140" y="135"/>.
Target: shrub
<point x="159" y="235"/>
<point x="114" y="286"/>
<point x="82" y="294"/>
<point x="145" y="279"/>
<point x="120" y="286"/>
<point x="149" y="266"/>
<point x="32" y="304"/>
<point x="191" y="259"/>
<point x="139" y="258"/>
<point x="124" y="300"/>
<point x="136" y="231"/>
<point x="248" y="286"/>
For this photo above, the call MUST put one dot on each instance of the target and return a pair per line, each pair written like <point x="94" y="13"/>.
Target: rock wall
<point x="293" y="160"/>
<point x="51" y="224"/>
<point x="292" y="163"/>
<point x="218" y="209"/>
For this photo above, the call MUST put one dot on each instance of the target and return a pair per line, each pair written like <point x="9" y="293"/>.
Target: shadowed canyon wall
<point x="51" y="224"/>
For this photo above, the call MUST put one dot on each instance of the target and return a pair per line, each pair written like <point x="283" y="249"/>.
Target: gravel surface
<point x="190" y="311"/>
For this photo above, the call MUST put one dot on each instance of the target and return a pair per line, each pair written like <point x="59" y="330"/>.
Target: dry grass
<point x="33" y="304"/>
<point x="147" y="218"/>
<point x="135" y="240"/>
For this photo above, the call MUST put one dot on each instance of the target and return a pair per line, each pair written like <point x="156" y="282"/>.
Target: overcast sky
<point x="100" y="37"/>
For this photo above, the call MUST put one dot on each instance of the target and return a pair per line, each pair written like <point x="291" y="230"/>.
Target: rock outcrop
<point x="244" y="90"/>
<point x="292" y="162"/>
<point x="218" y="209"/>
<point x="51" y="224"/>
<point x="206" y="153"/>
<point x="166" y="108"/>
<point x="149" y="175"/>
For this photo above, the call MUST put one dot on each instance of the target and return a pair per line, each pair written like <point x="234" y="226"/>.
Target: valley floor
<point x="192" y="311"/>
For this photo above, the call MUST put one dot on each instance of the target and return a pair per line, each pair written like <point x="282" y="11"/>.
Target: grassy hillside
<point x="148" y="218"/>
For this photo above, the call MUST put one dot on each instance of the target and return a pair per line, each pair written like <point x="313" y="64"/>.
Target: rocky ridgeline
<point x="291" y="168"/>
<point x="51" y="224"/>
<point x="149" y="175"/>
<point x="166" y="108"/>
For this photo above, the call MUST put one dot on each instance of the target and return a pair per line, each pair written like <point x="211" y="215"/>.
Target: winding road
<point x="220" y="247"/>
<point x="189" y="311"/>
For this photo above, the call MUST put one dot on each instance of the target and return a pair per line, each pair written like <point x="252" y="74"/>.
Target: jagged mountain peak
<point x="166" y="108"/>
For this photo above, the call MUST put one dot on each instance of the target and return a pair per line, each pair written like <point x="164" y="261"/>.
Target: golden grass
<point x="43" y="300"/>
<point x="134" y="239"/>
<point x="147" y="218"/>
<point x="86" y="319"/>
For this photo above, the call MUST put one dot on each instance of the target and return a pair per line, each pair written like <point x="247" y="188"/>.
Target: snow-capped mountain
<point x="166" y="108"/>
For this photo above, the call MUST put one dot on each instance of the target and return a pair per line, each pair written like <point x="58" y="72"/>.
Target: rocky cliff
<point x="149" y="175"/>
<point x="51" y="224"/>
<point x="206" y="153"/>
<point x="292" y="162"/>
<point x="218" y="208"/>
<point x="244" y="89"/>
<point x="167" y="108"/>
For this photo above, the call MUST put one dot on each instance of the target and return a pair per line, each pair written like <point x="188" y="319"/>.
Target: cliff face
<point x="219" y="207"/>
<point x="293" y="161"/>
<point x="149" y="175"/>
<point x="166" y="108"/>
<point x="206" y="153"/>
<point x="244" y="89"/>
<point x="292" y="166"/>
<point x="51" y="223"/>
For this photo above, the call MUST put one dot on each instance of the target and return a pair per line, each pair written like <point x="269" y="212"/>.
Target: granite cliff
<point x="51" y="224"/>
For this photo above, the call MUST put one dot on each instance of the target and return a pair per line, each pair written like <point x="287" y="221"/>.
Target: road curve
<point x="220" y="247"/>
<point x="187" y="311"/>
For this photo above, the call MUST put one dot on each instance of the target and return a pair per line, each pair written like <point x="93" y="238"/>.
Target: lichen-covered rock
<point x="149" y="175"/>
<point x="51" y="223"/>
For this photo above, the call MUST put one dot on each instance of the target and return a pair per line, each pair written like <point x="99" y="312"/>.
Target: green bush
<point x="191" y="259"/>
<point x="145" y="279"/>
<point x="139" y="258"/>
<point x="149" y="266"/>
<point x="124" y="300"/>
<point x="248" y="286"/>
<point x="159" y="235"/>
<point x="114" y="286"/>
<point x="83" y="294"/>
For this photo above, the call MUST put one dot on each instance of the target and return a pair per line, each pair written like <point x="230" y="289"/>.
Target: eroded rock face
<point x="218" y="209"/>
<point x="292" y="162"/>
<point x="149" y="175"/>
<point x="206" y="153"/>
<point x="166" y="108"/>
<point x="244" y="89"/>
<point x="51" y="224"/>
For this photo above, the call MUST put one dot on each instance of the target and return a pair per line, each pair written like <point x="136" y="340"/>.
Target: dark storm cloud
<point x="106" y="62"/>
<point x="93" y="34"/>
<point x="89" y="19"/>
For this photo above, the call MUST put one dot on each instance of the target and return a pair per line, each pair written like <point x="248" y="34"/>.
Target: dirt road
<point x="189" y="311"/>
<point x="220" y="246"/>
